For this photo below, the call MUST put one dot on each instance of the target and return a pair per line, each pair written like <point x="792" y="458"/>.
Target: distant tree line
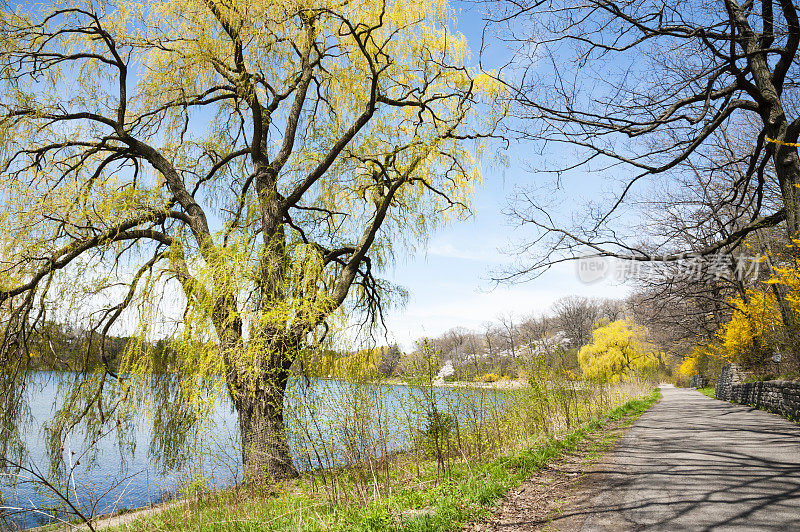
<point x="371" y="362"/>
<point x="54" y="346"/>
<point x="499" y="347"/>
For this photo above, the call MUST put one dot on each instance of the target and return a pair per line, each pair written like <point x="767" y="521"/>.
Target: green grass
<point x="708" y="390"/>
<point x="471" y="491"/>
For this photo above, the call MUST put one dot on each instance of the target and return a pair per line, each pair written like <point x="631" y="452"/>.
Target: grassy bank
<point x="708" y="390"/>
<point x="418" y="496"/>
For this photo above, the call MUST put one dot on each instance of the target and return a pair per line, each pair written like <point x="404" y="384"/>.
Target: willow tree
<point x="618" y="352"/>
<point x="254" y="162"/>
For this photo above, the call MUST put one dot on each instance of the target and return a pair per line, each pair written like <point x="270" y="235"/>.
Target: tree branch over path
<point x="647" y="92"/>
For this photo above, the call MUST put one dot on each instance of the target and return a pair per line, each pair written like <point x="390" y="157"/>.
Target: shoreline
<point x="497" y="385"/>
<point x="113" y="519"/>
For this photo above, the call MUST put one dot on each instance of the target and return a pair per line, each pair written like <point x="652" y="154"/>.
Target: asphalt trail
<point x="695" y="463"/>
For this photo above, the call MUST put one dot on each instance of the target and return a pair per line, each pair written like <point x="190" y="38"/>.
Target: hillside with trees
<point x="509" y="346"/>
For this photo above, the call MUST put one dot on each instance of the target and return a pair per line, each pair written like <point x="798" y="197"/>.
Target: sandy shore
<point x="103" y="522"/>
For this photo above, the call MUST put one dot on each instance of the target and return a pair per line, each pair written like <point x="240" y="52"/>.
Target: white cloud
<point x="488" y="253"/>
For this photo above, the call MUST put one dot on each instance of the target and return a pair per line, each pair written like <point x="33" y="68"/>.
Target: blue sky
<point x="449" y="283"/>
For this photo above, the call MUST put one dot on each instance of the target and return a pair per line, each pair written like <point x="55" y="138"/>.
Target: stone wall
<point x="697" y="381"/>
<point x="730" y="375"/>
<point x="781" y="397"/>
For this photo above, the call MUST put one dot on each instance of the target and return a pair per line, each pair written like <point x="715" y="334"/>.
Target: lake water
<point x="337" y="418"/>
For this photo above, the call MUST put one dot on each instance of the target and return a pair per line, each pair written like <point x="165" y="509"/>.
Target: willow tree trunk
<point x="265" y="448"/>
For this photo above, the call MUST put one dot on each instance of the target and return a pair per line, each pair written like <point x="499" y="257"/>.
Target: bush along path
<point x="472" y="492"/>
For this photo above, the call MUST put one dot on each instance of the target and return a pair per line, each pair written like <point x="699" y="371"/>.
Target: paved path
<point x="695" y="463"/>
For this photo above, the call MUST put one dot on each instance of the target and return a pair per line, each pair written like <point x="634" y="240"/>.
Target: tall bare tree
<point x="646" y="91"/>
<point x="509" y="332"/>
<point x="576" y="316"/>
